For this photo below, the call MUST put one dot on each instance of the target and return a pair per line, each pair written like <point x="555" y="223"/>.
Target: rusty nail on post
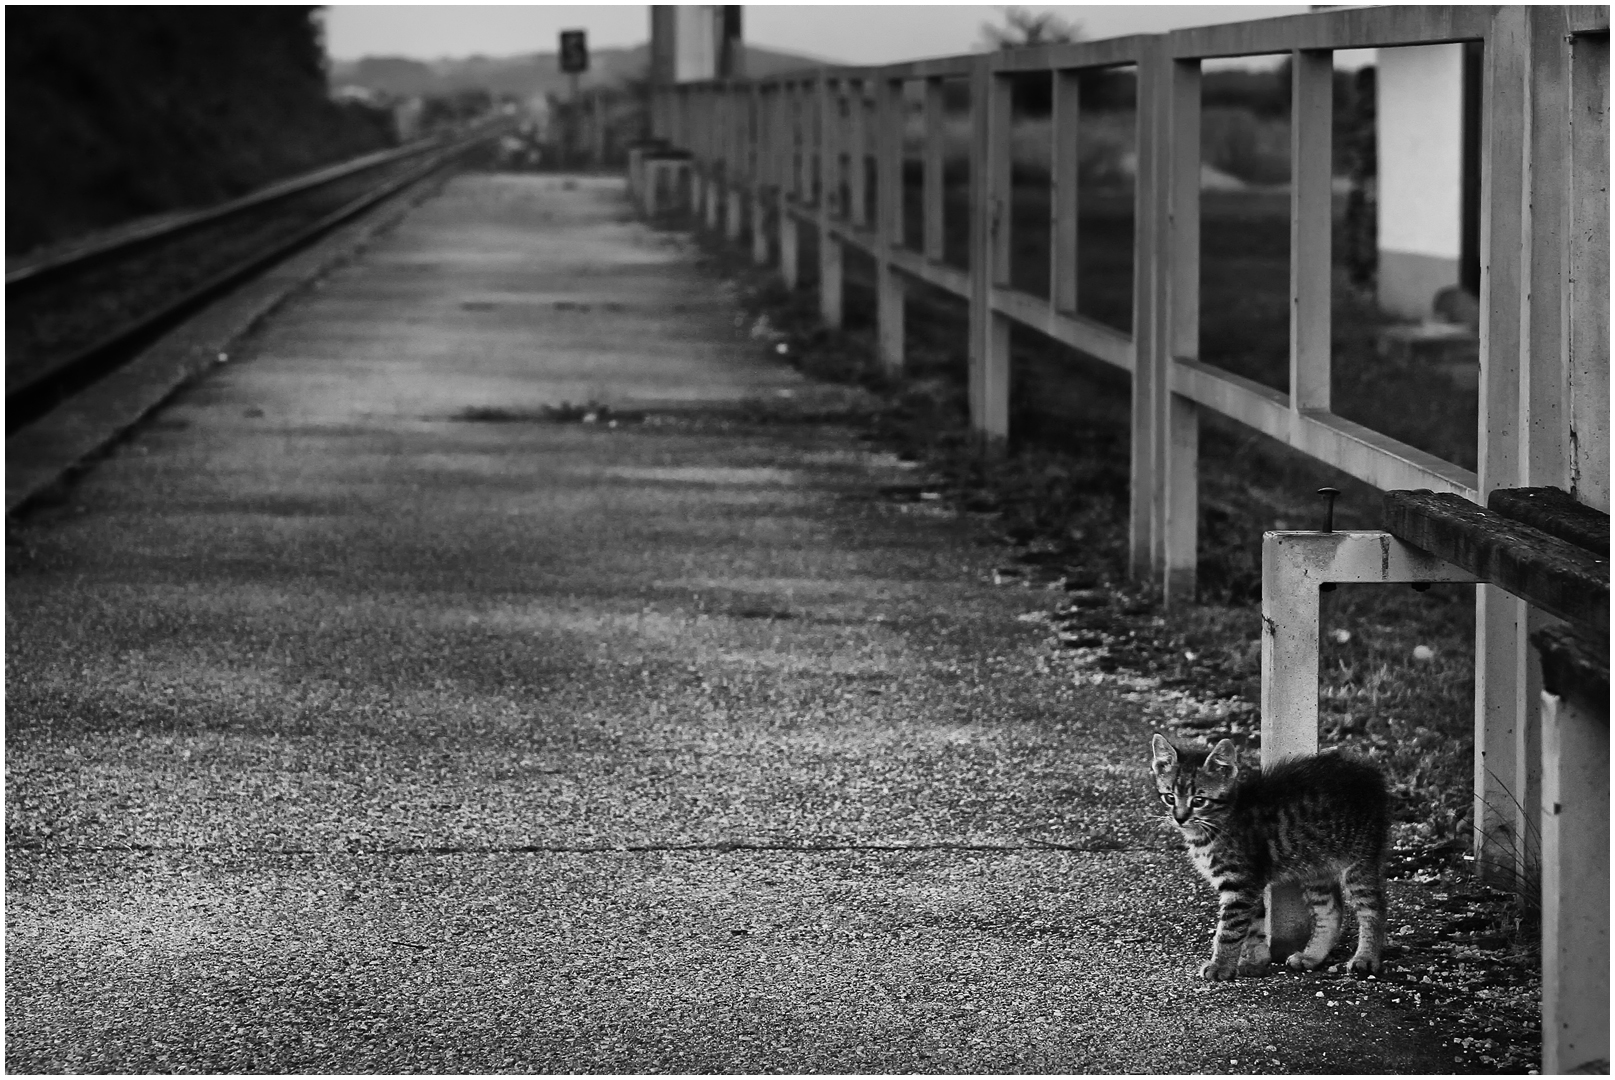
<point x="1329" y="513"/>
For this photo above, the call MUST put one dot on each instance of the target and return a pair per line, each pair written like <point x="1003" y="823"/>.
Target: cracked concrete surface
<point x="362" y="719"/>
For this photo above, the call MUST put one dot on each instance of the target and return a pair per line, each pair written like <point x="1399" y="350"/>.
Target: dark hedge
<point x="113" y="113"/>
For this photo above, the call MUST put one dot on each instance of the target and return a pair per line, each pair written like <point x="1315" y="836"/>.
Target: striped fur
<point x="1321" y="822"/>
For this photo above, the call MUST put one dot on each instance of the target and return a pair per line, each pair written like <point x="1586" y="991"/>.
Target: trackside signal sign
<point x="574" y="51"/>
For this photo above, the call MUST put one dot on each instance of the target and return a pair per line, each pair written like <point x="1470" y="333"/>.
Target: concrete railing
<point x="770" y="155"/>
<point x="774" y="153"/>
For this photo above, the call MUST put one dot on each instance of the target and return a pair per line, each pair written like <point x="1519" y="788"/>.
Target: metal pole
<point x="574" y="119"/>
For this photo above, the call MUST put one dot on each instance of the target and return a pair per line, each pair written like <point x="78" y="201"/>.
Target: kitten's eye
<point x="1198" y="800"/>
<point x="1166" y="797"/>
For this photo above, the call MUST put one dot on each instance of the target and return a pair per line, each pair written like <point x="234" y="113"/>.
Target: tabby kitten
<point x="1319" y="821"/>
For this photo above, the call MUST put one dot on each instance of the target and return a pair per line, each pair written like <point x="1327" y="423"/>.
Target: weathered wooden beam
<point x="1575" y="661"/>
<point x="1556" y="513"/>
<point x="1559" y="577"/>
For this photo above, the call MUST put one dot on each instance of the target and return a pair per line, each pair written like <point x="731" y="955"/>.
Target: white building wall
<point x="696" y="42"/>
<point x="1420" y="144"/>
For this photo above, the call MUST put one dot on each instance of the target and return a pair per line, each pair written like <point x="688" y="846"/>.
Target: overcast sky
<point x="864" y="34"/>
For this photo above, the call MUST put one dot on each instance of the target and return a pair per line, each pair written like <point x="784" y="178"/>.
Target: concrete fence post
<point x="857" y="209"/>
<point x="1575" y="876"/>
<point x="726" y="166"/>
<point x="1163" y="518"/>
<point x="989" y="250"/>
<point x="1545" y="429"/>
<point x="790" y="256"/>
<point x="696" y="119"/>
<point x="736" y="178"/>
<point x="716" y="168"/>
<point x="598" y="140"/>
<point x="1312" y="102"/>
<point x="1178" y="430"/>
<point x="1586" y="334"/>
<point x="935" y="155"/>
<point x="1149" y="216"/>
<point x="889" y="296"/>
<point x="830" y="281"/>
<point x="1063" y="192"/>
<point x="1503" y="713"/>
<point x="1294" y="566"/>
<point x="790" y="196"/>
<point x="763" y="135"/>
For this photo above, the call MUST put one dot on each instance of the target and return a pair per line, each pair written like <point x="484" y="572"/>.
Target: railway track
<point x="81" y="313"/>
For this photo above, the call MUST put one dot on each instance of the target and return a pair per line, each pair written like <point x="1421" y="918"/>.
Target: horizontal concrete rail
<point x="774" y="153"/>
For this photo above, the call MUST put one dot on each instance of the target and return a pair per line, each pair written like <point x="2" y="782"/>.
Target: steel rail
<point x="36" y="395"/>
<point x="77" y="258"/>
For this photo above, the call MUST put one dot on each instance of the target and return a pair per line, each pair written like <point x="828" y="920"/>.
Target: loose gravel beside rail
<point x="53" y="320"/>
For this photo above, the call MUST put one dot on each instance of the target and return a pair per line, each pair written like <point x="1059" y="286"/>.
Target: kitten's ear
<point x="1224" y="756"/>
<point x="1163" y="754"/>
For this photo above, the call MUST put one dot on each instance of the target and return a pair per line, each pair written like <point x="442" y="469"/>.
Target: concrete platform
<point x="363" y="716"/>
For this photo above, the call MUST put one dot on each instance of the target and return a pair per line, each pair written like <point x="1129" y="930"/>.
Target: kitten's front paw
<point x="1214" y="971"/>
<point x="1299" y="962"/>
<point x="1362" y="965"/>
<point x="1250" y="967"/>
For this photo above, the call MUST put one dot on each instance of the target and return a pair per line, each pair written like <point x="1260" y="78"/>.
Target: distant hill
<point x="523" y="76"/>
